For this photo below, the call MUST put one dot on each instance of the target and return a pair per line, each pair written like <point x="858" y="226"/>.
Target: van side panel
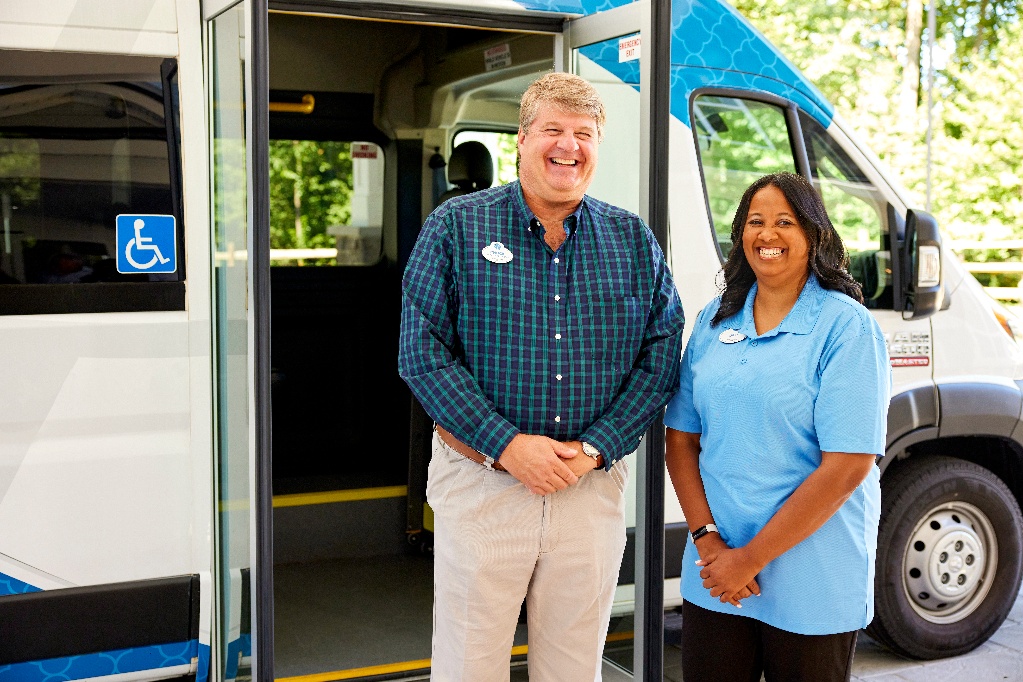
<point x="122" y="26"/>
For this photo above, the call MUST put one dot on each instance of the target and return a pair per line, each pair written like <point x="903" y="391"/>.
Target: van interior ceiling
<point x="352" y="180"/>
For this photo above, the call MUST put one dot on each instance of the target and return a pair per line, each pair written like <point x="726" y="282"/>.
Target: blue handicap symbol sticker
<point x="146" y="243"/>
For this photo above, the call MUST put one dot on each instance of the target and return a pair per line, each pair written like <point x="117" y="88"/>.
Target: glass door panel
<point x="607" y="49"/>
<point x="231" y="342"/>
<point x="619" y="181"/>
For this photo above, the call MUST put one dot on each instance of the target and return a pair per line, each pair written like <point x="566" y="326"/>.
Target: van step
<point x="338" y="524"/>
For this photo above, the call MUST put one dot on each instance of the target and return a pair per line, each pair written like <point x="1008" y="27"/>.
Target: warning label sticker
<point x="497" y="57"/>
<point x="361" y="150"/>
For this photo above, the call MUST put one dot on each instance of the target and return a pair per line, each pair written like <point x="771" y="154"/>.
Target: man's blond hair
<point x="565" y="91"/>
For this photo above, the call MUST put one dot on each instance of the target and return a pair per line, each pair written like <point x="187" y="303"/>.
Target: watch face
<point x="590" y="450"/>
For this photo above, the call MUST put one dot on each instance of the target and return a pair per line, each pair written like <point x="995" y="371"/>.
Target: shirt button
<point x="557" y="298"/>
<point x="557" y="260"/>
<point x="754" y="343"/>
<point x="743" y="361"/>
<point x="558" y="418"/>
<point x="557" y="336"/>
<point x="558" y="377"/>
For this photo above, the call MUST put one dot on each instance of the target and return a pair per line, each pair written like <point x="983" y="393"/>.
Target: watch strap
<point x="703" y="530"/>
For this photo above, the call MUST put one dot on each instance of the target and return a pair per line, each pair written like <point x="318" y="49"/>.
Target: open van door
<point x="237" y="94"/>
<point x="625" y="53"/>
<point x="238" y="44"/>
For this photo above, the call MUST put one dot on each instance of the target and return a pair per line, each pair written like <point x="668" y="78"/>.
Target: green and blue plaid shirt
<point x="582" y="343"/>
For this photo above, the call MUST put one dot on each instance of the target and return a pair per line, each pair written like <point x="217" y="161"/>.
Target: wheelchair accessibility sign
<point x="146" y="243"/>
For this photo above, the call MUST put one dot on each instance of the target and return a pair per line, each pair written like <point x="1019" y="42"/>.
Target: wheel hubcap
<point x="949" y="563"/>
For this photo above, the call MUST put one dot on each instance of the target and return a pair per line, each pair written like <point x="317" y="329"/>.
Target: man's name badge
<point x="731" y="336"/>
<point x="496" y="253"/>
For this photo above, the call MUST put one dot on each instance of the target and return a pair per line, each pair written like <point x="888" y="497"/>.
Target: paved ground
<point x="1001" y="658"/>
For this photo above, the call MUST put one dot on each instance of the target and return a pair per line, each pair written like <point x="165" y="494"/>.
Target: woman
<point x="771" y="448"/>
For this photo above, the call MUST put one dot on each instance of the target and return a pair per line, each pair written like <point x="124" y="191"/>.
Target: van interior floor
<point x="339" y="615"/>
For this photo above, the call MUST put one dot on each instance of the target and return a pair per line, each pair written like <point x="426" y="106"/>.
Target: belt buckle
<point x="488" y="462"/>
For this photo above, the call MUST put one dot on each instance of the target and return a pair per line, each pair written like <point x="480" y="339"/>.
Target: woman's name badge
<point x="496" y="253"/>
<point x="731" y="336"/>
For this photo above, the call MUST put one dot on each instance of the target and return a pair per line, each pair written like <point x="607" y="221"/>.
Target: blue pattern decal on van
<point x="712" y="45"/>
<point x="101" y="664"/>
<point x="729" y="53"/>
<point x="202" y="671"/>
<point x="573" y="6"/>
<point x="11" y="585"/>
<point x="559" y="6"/>
<point x="237" y="649"/>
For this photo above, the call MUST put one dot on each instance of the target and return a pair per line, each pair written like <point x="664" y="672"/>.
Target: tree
<point x="310" y="190"/>
<point x="860" y="54"/>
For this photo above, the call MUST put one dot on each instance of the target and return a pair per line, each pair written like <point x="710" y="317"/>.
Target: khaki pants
<point x="495" y="544"/>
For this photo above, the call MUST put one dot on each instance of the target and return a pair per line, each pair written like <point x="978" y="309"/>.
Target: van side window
<point x="857" y="209"/>
<point x="85" y="138"/>
<point x="503" y="148"/>
<point x="326" y="202"/>
<point x="738" y="140"/>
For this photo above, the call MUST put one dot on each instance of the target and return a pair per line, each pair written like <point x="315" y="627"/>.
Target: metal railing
<point x="992" y="267"/>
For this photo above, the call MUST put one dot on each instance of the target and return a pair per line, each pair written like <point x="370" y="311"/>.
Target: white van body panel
<point x="968" y="339"/>
<point x="112" y="27"/>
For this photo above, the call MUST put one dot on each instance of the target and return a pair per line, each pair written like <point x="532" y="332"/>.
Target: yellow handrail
<point x="303" y="107"/>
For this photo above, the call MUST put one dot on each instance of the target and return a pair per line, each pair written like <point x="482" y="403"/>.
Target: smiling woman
<point x="775" y="428"/>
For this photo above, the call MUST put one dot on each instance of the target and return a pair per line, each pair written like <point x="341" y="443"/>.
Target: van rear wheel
<point x="948" y="558"/>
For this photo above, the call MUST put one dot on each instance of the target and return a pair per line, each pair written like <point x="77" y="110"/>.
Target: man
<point x="541" y="330"/>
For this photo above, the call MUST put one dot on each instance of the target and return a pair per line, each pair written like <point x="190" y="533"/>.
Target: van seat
<point x="470" y="168"/>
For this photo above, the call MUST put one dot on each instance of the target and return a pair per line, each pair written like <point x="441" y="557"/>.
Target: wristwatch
<point x="591" y="451"/>
<point x="703" y="530"/>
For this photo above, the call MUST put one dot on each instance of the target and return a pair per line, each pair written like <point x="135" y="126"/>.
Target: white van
<point x="211" y="470"/>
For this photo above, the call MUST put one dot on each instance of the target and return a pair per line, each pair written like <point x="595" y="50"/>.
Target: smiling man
<point x="541" y="330"/>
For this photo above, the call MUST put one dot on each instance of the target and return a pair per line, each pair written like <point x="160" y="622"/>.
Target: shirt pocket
<point x="615" y="330"/>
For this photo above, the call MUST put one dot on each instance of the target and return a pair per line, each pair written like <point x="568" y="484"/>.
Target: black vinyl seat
<point x="470" y="168"/>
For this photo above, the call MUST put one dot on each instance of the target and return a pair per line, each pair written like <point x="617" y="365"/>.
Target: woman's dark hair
<point x="827" y="257"/>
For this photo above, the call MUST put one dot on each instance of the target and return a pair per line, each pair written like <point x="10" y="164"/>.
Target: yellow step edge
<point x="406" y="666"/>
<point x="331" y="496"/>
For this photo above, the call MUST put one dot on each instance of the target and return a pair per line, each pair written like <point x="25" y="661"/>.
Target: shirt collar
<point x="571" y="222"/>
<point x="800" y="320"/>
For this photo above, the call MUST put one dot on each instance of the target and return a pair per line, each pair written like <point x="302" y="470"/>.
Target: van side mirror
<point x="924" y="286"/>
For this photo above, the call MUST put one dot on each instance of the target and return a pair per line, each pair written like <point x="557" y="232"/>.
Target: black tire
<point x="940" y="517"/>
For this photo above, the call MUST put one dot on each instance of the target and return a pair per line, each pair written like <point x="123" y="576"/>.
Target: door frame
<point x="652" y="18"/>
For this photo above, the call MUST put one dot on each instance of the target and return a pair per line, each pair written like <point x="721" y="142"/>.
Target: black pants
<point x="720" y="646"/>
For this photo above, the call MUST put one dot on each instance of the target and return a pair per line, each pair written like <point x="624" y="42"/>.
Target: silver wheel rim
<point x="950" y="562"/>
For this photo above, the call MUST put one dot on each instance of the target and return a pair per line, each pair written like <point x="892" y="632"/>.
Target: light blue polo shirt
<point x="765" y="408"/>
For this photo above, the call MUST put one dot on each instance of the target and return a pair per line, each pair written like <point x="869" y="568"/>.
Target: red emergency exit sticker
<point x="628" y="48"/>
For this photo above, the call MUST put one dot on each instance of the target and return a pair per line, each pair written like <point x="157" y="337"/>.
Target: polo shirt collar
<point x="572" y="221"/>
<point x="800" y="320"/>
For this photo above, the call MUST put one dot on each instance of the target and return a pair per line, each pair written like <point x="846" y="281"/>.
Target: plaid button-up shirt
<point x="582" y="343"/>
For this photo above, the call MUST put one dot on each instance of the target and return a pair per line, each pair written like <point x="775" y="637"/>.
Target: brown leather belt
<point x="463" y="449"/>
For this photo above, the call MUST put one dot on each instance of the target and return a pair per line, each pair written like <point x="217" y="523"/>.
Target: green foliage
<point x="310" y="190"/>
<point x="854" y="52"/>
<point x="19" y="170"/>
<point x="507" y="155"/>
